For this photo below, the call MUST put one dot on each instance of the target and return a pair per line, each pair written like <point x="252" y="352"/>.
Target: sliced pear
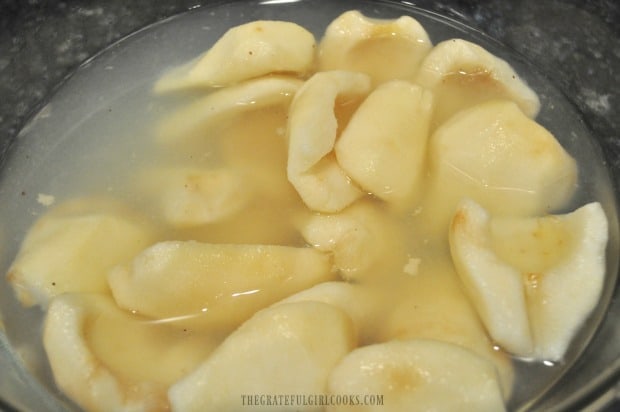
<point x="244" y="52"/>
<point x="109" y="360"/>
<point x="462" y="74"/>
<point x="383" y="147"/>
<point x="358" y="43"/>
<point x="541" y="284"/>
<point x="500" y="158"/>
<point x="209" y="285"/>
<point x="71" y="248"/>
<point x="257" y="146"/>
<point x="495" y="288"/>
<point x="432" y="305"/>
<point x="355" y="301"/>
<point x="260" y="223"/>
<point x="417" y="375"/>
<point x="254" y="153"/>
<point x="284" y="349"/>
<point x="193" y="197"/>
<point x="334" y="293"/>
<point x="313" y="128"/>
<point x="198" y="119"/>
<point x="362" y="237"/>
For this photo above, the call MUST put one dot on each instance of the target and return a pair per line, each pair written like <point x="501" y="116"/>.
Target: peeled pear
<point x="214" y="285"/>
<point x="416" y="375"/>
<point x="244" y="52"/>
<point x="462" y="74"/>
<point x="495" y="289"/>
<point x="352" y="299"/>
<point x="361" y="238"/>
<point x="189" y="197"/>
<point x="335" y="293"/>
<point x="384" y="49"/>
<point x="533" y="281"/>
<point x="313" y="127"/>
<point x="106" y="359"/>
<point x="432" y="305"/>
<point x="383" y="148"/>
<point x="497" y="156"/>
<point x="285" y="349"/>
<point x="258" y="147"/>
<point x="197" y="120"/>
<point x="72" y="247"/>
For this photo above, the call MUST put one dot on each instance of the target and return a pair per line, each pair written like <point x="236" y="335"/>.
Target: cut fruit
<point x="244" y="52"/>
<point x="532" y="306"/>
<point x="313" y="128"/>
<point x="71" y="249"/>
<point x="462" y="74"/>
<point x="432" y="305"/>
<point x="497" y="156"/>
<point x="210" y="285"/>
<point x="351" y="299"/>
<point x="360" y="237"/>
<point x="383" y="148"/>
<point x="193" y="197"/>
<point x="197" y="120"/>
<point x="417" y="375"/>
<point x="110" y="360"/>
<point x="285" y="349"/>
<point x="384" y="49"/>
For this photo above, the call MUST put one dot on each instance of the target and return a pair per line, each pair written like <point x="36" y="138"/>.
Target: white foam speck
<point x="45" y="200"/>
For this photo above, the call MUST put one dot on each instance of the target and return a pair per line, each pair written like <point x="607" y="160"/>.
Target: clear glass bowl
<point x="94" y="90"/>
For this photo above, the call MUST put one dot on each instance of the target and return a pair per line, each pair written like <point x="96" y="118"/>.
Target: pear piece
<point x="244" y="52"/>
<point x="199" y="118"/>
<point x="361" y="237"/>
<point x="432" y="305"/>
<point x="214" y="285"/>
<point x="339" y="294"/>
<point x="71" y="249"/>
<point x="383" y="148"/>
<point x="534" y="291"/>
<point x="312" y="129"/>
<point x="285" y="349"/>
<point x="495" y="288"/>
<point x="416" y="375"/>
<point x="462" y="74"/>
<point x="352" y="299"/>
<point x="497" y="156"/>
<point x="192" y="196"/>
<point x="109" y="360"/>
<point x="384" y="49"/>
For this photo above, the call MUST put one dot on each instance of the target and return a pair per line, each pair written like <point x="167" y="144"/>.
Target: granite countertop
<point x="576" y="42"/>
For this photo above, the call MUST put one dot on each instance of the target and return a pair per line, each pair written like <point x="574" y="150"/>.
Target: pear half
<point x="285" y="349"/>
<point x="244" y="52"/>
<point x="463" y="74"/>
<point x="216" y="286"/>
<point x="315" y="122"/>
<point x="110" y="360"/>
<point x="72" y="247"/>
<point x="384" y="49"/>
<point x="533" y="281"/>
<point x="197" y="120"/>
<point x="383" y="148"/>
<point x="416" y="375"/>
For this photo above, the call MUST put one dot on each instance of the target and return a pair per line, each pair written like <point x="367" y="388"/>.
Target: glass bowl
<point x="576" y="107"/>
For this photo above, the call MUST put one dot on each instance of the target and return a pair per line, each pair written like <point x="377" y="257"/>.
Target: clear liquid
<point x="97" y="133"/>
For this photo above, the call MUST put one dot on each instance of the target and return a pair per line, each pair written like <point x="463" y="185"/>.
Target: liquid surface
<point x="110" y="145"/>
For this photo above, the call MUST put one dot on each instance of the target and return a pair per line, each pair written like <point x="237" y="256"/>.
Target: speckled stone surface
<point x="576" y="43"/>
